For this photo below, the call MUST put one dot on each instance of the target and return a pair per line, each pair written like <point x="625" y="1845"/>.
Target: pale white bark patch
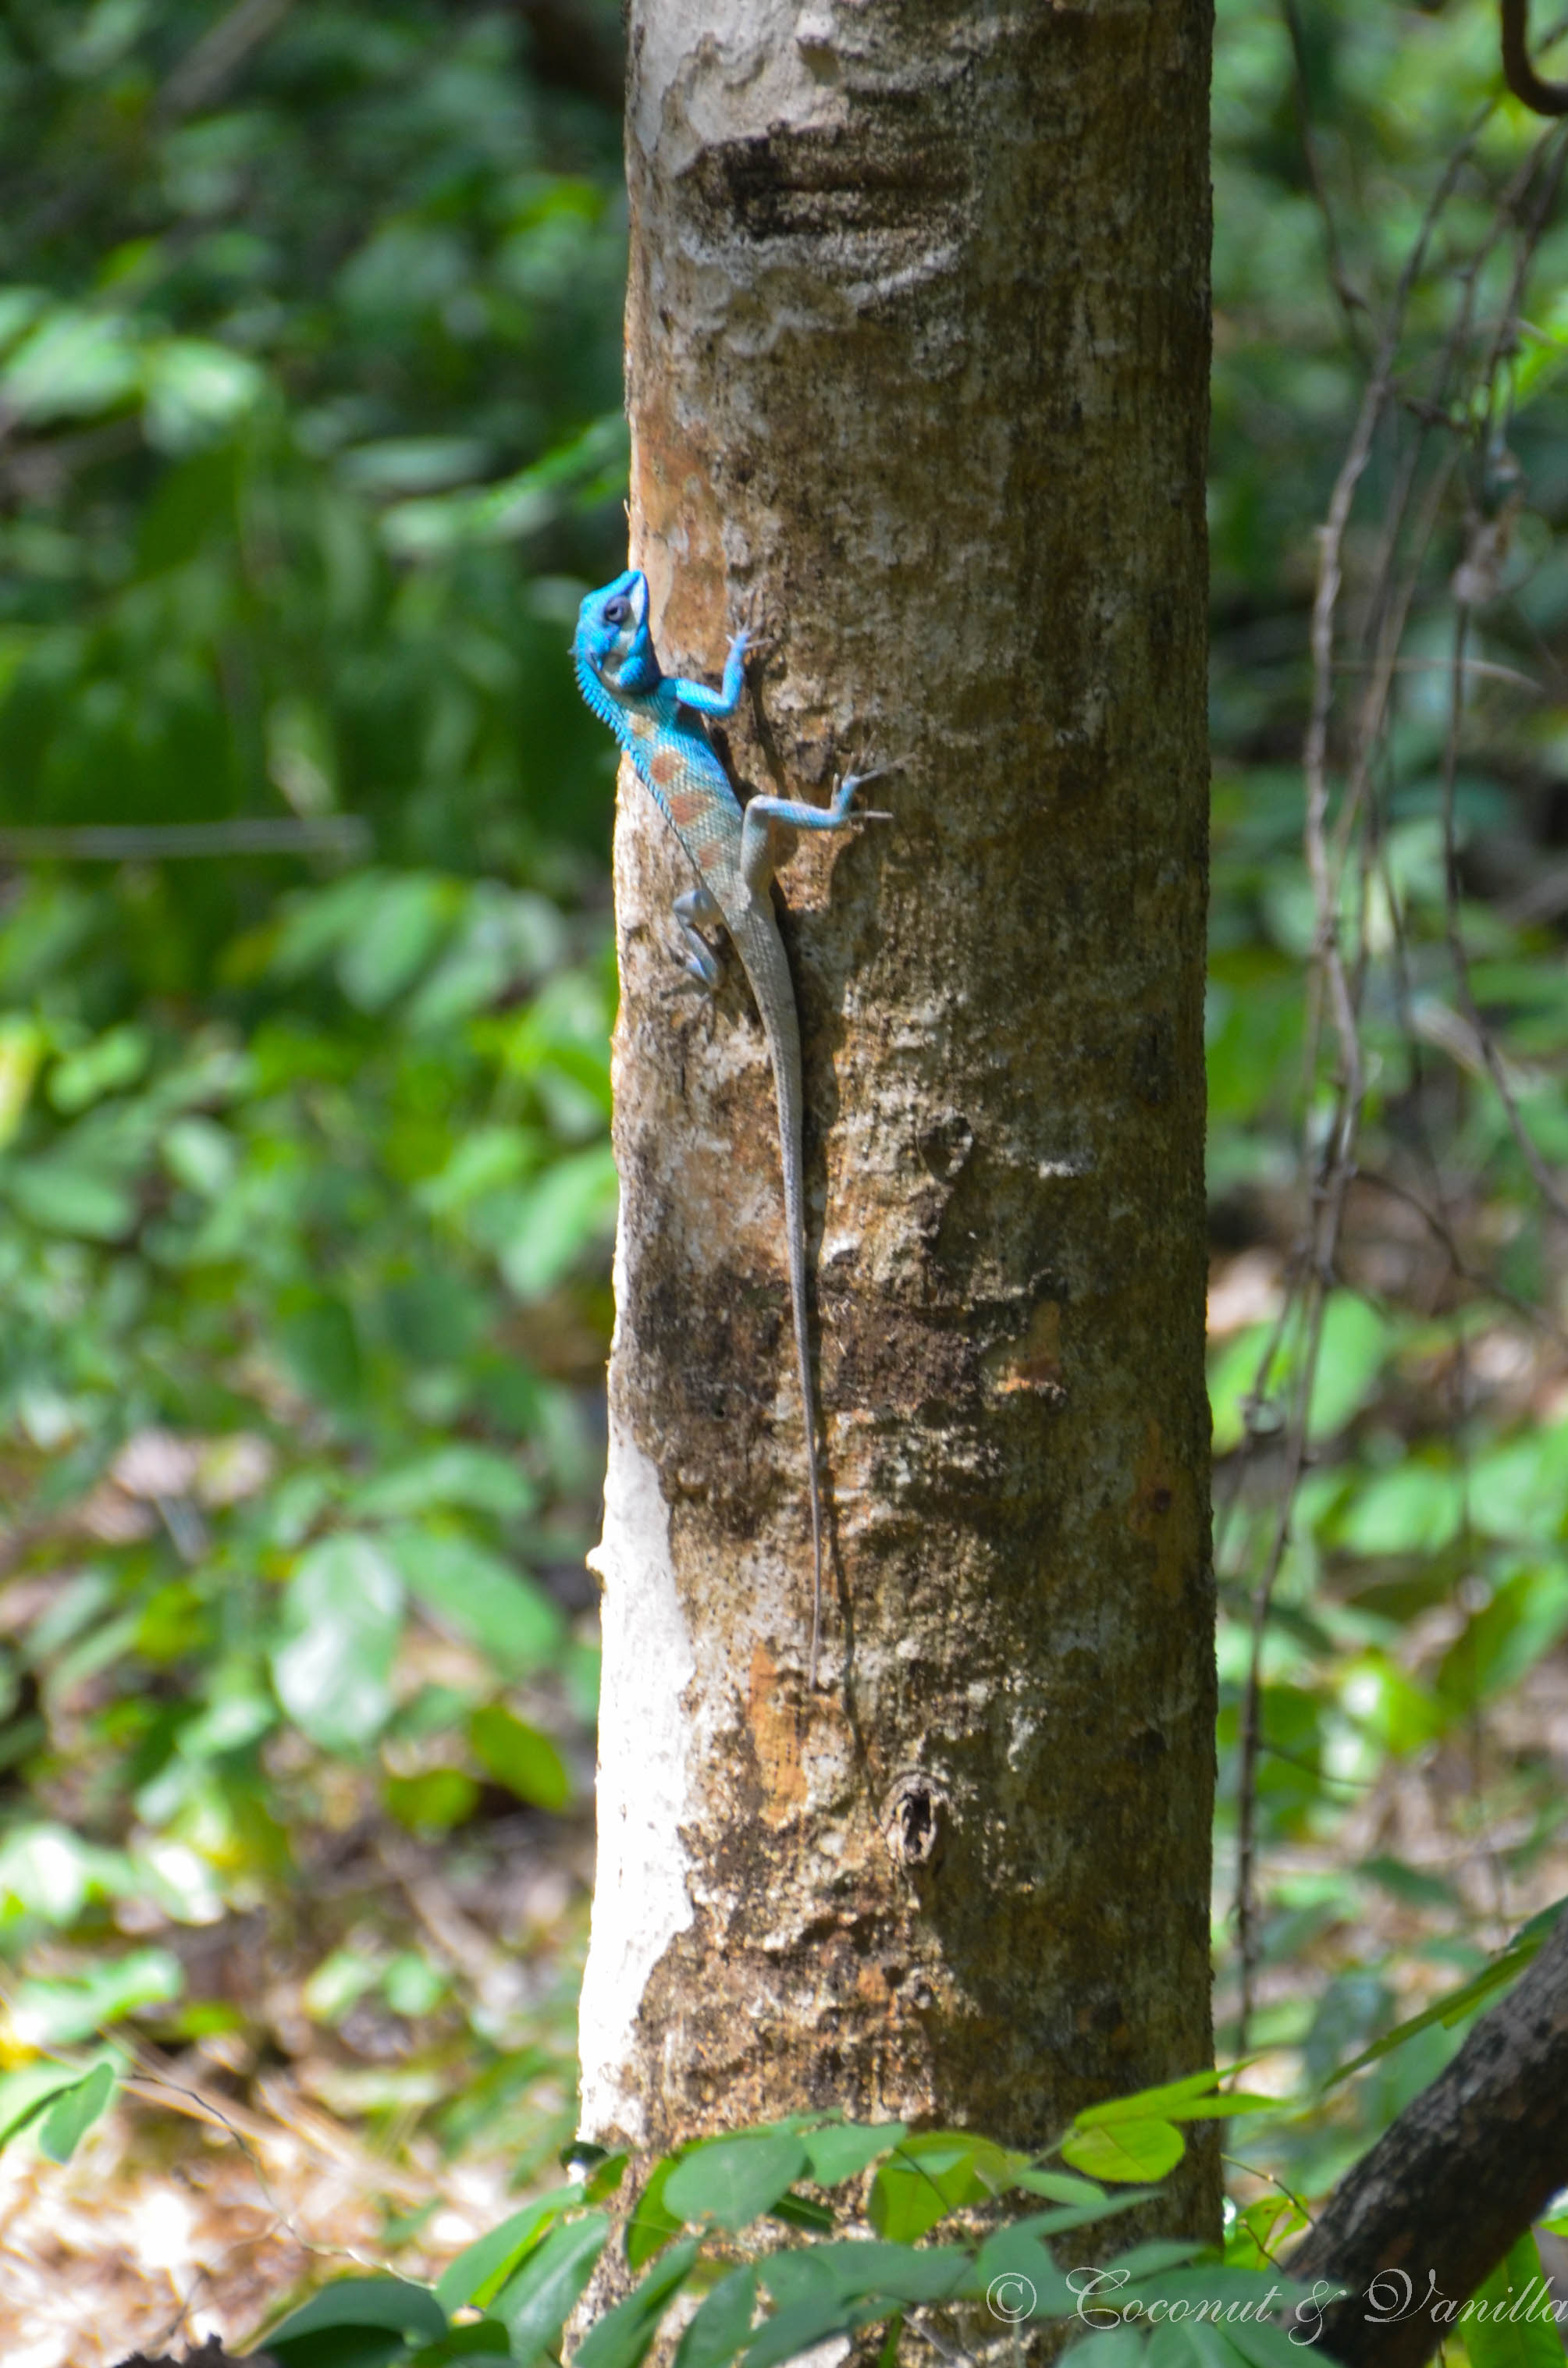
<point x="712" y="71"/>
<point x="641" y="1896"/>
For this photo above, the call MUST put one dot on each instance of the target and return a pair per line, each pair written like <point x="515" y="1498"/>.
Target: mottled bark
<point x="1433" y="2208"/>
<point x="917" y="347"/>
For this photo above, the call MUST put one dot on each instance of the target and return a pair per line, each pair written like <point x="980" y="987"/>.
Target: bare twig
<point x="1518" y="72"/>
<point x="345" y="835"/>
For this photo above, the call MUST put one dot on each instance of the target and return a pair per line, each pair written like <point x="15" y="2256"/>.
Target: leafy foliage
<point x="763" y="2300"/>
<point x="309" y="374"/>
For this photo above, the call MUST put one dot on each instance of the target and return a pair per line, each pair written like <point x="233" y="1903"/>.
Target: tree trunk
<point x="918" y="350"/>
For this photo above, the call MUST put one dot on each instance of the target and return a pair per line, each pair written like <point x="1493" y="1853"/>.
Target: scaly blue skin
<point x="658" y="720"/>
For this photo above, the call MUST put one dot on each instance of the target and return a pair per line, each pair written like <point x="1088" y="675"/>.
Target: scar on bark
<point x="914" y="1821"/>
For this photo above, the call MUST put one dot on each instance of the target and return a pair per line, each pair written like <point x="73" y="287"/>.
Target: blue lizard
<point x="658" y="720"/>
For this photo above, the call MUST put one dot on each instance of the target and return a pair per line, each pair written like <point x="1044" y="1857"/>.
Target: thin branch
<point x="345" y="835"/>
<point x="1518" y="72"/>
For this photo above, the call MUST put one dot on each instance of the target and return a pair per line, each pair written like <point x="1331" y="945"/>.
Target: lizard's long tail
<point x="762" y="952"/>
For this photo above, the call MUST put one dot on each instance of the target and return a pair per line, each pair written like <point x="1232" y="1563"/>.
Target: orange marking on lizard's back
<point x="686" y="807"/>
<point x="663" y="767"/>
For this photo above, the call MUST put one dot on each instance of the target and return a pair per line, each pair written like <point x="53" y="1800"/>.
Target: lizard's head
<point x="613" y="637"/>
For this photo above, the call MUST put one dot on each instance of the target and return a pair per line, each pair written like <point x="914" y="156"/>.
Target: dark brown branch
<point x="1459" y="2177"/>
<point x="1543" y="97"/>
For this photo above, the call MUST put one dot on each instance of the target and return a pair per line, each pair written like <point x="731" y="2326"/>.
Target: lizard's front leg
<point x="704" y="972"/>
<point x="717" y="703"/>
<point x="762" y="813"/>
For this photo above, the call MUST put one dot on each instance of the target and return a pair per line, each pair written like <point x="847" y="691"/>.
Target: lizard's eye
<point x="617" y="612"/>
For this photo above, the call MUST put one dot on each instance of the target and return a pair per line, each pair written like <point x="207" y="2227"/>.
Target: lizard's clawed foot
<point x="752" y="632"/>
<point x="844" y="793"/>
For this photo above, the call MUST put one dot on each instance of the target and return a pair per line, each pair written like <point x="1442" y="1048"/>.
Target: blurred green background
<point x="309" y="442"/>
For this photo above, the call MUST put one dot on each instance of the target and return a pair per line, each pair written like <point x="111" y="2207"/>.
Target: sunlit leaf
<point x="478" y="1594"/>
<point x="1125" y="2150"/>
<point x="391" y="2303"/>
<point x="933" y="2174"/>
<point x="73" y="2112"/>
<point x="842" y="2149"/>
<point x="734" y="2180"/>
<point x="652" y="2222"/>
<point x="1356" y="1342"/>
<point x="722" y="2323"/>
<point x="535" y="2303"/>
<point x="480" y="2271"/>
<point x="1505" y="2328"/>
<point x="342" y="1616"/>
<point x="519" y="1756"/>
<point x="623" y="2336"/>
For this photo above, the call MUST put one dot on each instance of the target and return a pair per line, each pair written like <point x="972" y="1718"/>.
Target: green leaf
<point x="1414" y="1509"/>
<point x="62" y="2013"/>
<point x="842" y="2149"/>
<point x="481" y="2269"/>
<point x="853" y="2269"/>
<point x="1125" y="2150"/>
<point x="107" y="1065"/>
<point x="74" y="365"/>
<point x="1502" y="2333"/>
<point x="604" y="2177"/>
<point x="572" y="1204"/>
<point x="479" y="2340"/>
<point x="734" y="2180"/>
<point x="1525" y="1617"/>
<point x="74" y="2112"/>
<point x="475" y="1477"/>
<point x="320" y="1342"/>
<point x="342" y="1618"/>
<point x="1017" y="2257"/>
<point x="804" y="2325"/>
<point x="1261" y="2229"/>
<point x="798" y="2211"/>
<point x="723" y="2323"/>
<point x="933" y="2174"/>
<point x="23" y="1044"/>
<point x="1118" y="2346"/>
<point x="622" y="2336"/>
<point x="536" y="2303"/>
<point x="1355" y="1345"/>
<point x="1520" y="1488"/>
<point x="653" y="2224"/>
<point x="394" y="936"/>
<point x="433" y="1802"/>
<point x="519" y="1756"/>
<point x="1085" y="2216"/>
<point x="483" y="1597"/>
<point x="1457" y="2004"/>
<point x="27" y="2094"/>
<point x="393" y="2304"/>
<point x="59" y="1196"/>
<point x="1156" y="2256"/>
<point x="1188" y="2099"/>
<point x="196" y="390"/>
<point x="1061" y="2186"/>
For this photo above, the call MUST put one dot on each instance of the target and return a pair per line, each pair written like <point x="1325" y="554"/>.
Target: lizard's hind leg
<point x="703" y="972"/>
<point x="789" y="814"/>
